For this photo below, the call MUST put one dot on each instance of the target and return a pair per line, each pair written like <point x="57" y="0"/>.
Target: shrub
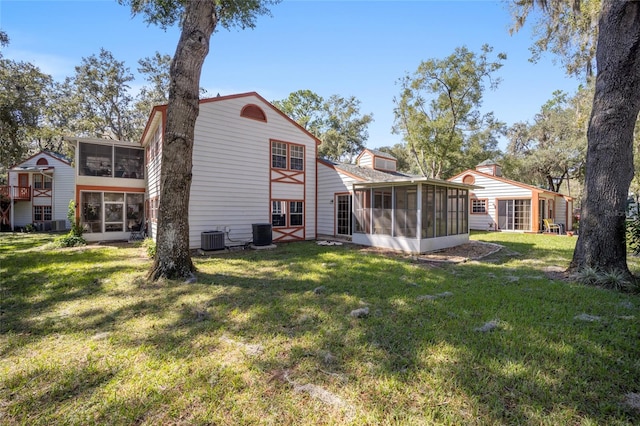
<point x="613" y="280"/>
<point x="74" y="237"/>
<point x="69" y="240"/>
<point x="633" y="235"/>
<point x="588" y="276"/>
<point x="150" y="246"/>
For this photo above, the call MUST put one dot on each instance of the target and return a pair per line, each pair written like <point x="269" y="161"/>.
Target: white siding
<point x="231" y="170"/>
<point x="366" y="160"/>
<point x="153" y="174"/>
<point x="62" y="192"/>
<point x="493" y="189"/>
<point x="330" y="183"/>
<point x="561" y="212"/>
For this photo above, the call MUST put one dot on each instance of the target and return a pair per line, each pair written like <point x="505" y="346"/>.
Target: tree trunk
<point x="173" y="259"/>
<point x="601" y="243"/>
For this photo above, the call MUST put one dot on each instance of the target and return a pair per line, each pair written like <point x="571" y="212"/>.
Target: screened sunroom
<point x="414" y="216"/>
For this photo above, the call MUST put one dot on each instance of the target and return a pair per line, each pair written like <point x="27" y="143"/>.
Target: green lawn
<point x="266" y="337"/>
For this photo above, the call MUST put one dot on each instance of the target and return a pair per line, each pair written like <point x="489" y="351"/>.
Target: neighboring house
<point x="252" y="165"/>
<point x="38" y="192"/>
<point x="110" y="187"/>
<point x="377" y="206"/>
<point x="508" y="205"/>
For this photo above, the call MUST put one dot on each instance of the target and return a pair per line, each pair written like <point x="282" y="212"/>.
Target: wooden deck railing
<point x="17" y="193"/>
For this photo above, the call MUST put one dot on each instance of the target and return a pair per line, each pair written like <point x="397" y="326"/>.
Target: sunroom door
<point x="343" y="215"/>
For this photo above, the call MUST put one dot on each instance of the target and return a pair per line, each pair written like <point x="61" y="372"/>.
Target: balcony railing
<point x="17" y="193"/>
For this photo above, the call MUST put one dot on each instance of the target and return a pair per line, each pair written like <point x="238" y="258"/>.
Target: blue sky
<point x="349" y="48"/>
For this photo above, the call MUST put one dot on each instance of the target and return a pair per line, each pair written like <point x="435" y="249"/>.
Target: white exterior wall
<point x="561" y="215"/>
<point x="493" y="189"/>
<point x="63" y="190"/>
<point x="231" y="186"/>
<point x="330" y="183"/>
<point x="153" y="166"/>
<point x="366" y="160"/>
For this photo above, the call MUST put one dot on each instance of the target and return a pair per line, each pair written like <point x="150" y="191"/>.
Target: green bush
<point x="633" y="235"/>
<point x="150" y="246"/>
<point x="70" y="240"/>
<point x="74" y="237"/>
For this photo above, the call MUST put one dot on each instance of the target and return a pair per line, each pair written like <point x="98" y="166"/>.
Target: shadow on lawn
<point x="422" y="329"/>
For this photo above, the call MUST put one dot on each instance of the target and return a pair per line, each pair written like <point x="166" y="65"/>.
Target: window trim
<point x="286" y="211"/>
<point x="288" y="156"/>
<point x="486" y="206"/>
<point x="43" y="213"/>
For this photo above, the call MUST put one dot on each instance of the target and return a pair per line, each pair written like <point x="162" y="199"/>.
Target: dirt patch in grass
<point x="473" y="250"/>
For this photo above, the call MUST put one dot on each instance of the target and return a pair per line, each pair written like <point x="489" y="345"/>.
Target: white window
<point x="278" y="155"/>
<point x="296" y="213"/>
<point x="278" y="214"/>
<point x="280" y="217"/>
<point x="287" y="156"/>
<point x="478" y="206"/>
<point x="41" y="213"/>
<point x="297" y="157"/>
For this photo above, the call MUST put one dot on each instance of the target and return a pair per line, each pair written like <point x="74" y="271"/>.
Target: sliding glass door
<point x="514" y="215"/>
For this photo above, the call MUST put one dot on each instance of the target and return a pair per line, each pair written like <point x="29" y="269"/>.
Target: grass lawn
<point x="267" y="337"/>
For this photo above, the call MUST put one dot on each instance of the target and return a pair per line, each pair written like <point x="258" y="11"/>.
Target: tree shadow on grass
<point x="289" y="310"/>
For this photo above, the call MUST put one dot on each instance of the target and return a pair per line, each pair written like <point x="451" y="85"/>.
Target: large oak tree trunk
<point x="173" y="259"/>
<point x="601" y="243"/>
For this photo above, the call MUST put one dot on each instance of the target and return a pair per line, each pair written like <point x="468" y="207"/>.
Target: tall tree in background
<point x="198" y="19"/>
<point x="306" y="108"/>
<point x="552" y="149"/>
<point x="337" y="122"/>
<point x="345" y="130"/>
<point x="24" y="96"/>
<point x="404" y="162"/>
<point x="609" y="169"/>
<point x="155" y="71"/>
<point x="98" y="100"/>
<point x="438" y="107"/>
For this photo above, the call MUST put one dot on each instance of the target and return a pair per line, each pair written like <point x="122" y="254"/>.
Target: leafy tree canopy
<point x="437" y="112"/>
<point x="337" y="122"/>
<point x="553" y="148"/>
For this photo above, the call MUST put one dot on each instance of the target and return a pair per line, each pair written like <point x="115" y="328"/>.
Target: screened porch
<point x="413" y="216"/>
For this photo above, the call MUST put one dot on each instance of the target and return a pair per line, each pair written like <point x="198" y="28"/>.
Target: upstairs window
<point x="99" y="160"/>
<point x="287" y="156"/>
<point x="42" y="182"/>
<point x="95" y="160"/>
<point x="278" y="155"/>
<point x="297" y="157"/>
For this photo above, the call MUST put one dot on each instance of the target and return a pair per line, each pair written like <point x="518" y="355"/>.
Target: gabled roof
<point x="488" y="162"/>
<point x="54" y="155"/>
<point x="163" y="108"/>
<point x="511" y="182"/>
<point x="368" y="177"/>
<point x="376" y="153"/>
<point x="367" y="174"/>
<point x="102" y="141"/>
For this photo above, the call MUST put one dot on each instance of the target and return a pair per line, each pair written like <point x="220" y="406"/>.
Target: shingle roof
<point x="369" y="174"/>
<point x="381" y="154"/>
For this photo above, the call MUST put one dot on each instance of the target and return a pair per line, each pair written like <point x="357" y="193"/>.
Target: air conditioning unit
<point x="212" y="240"/>
<point x="262" y="234"/>
<point x="59" y="225"/>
